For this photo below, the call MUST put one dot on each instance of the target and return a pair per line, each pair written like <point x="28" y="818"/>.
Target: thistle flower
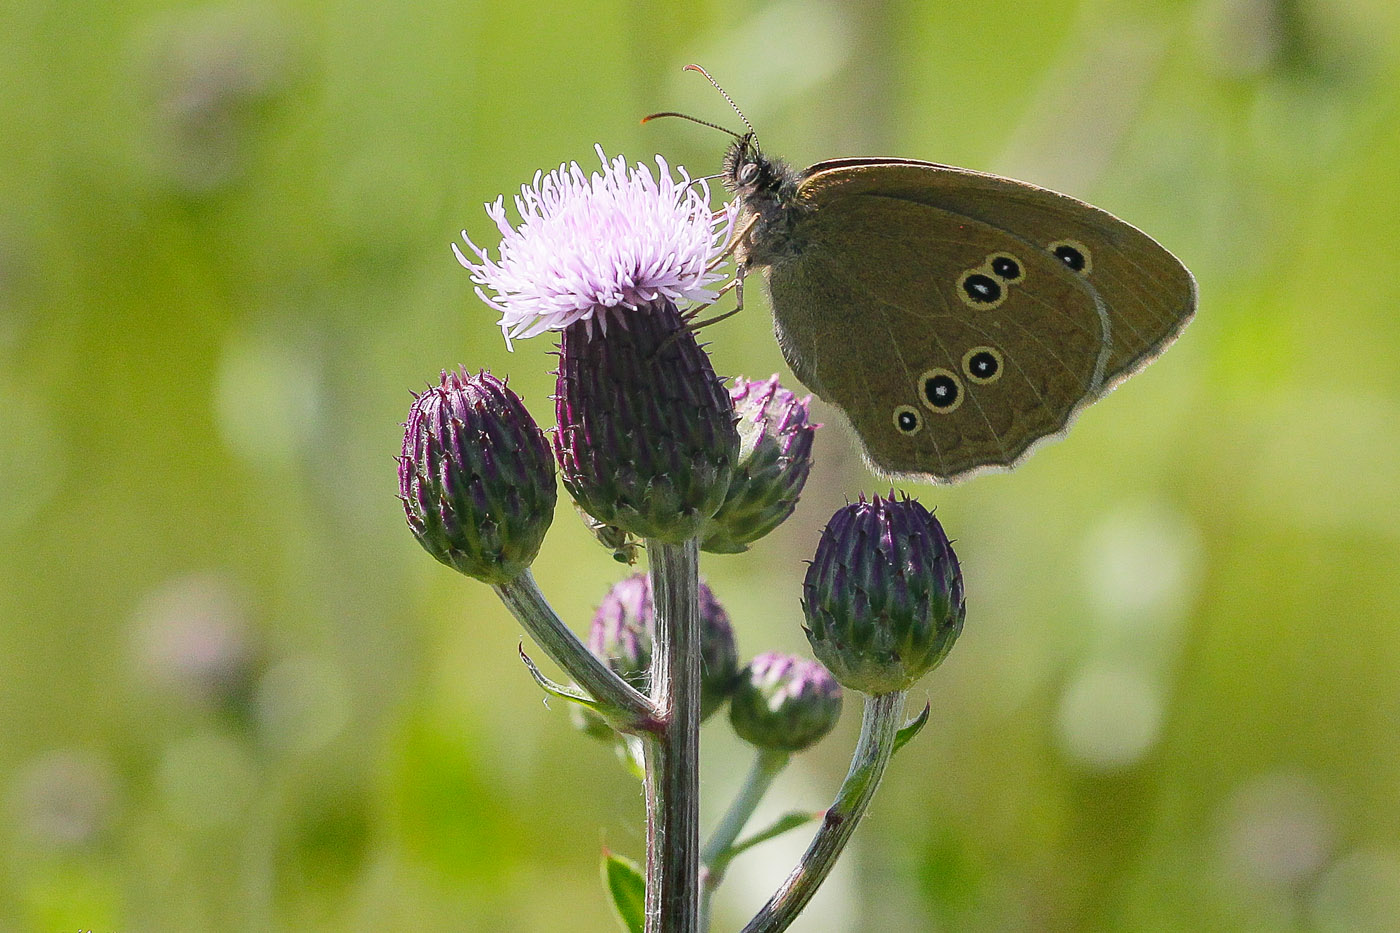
<point x="883" y="596"/>
<point x="775" y="456"/>
<point x="621" y="634"/>
<point x="476" y="477"/>
<point x="646" y="438"/>
<point x="588" y="244"/>
<point x="784" y="703"/>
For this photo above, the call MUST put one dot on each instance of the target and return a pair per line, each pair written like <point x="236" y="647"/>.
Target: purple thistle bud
<point x="621" y="634"/>
<point x="775" y="456"/>
<point x="719" y="653"/>
<point x="622" y="627"/>
<point x="476" y="477"/>
<point x="883" y="595"/>
<point x="784" y="703"/>
<point x="646" y="439"/>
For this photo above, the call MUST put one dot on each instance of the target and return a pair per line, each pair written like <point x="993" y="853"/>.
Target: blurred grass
<point x="235" y="695"/>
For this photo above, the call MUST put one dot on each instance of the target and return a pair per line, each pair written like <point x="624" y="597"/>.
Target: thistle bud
<point x="646" y="439"/>
<point x="775" y="456"/>
<point x="784" y="703"/>
<point x="622" y="631"/>
<point x="883" y="596"/>
<point x="719" y="654"/>
<point x="476" y="477"/>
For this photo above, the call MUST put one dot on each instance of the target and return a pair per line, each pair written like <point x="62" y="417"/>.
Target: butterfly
<point x="955" y="317"/>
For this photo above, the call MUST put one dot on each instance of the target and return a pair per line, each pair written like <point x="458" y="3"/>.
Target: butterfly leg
<point x="735" y="285"/>
<point x="736" y="238"/>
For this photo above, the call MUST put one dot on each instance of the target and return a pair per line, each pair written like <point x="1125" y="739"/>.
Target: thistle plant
<point x="657" y="454"/>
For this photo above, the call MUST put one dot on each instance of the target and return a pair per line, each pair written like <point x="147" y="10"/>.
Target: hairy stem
<point x="877" y="731"/>
<point x="672" y="755"/>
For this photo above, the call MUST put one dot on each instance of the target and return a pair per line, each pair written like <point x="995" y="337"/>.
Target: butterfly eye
<point x="1074" y="255"/>
<point x="748" y="173"/>
<point x="907" y="420"/>
<point x="979" y="290"/>
<point x="982" y="365"/>
<point x="1006" y="267"/>
<point x="942" y="392"/>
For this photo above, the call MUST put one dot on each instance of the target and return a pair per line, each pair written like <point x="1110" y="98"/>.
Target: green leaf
<point x="628" y="889"/>
<point x="910" y="729"/>
<point x="784" y="823"/>
<point x="573" y="695"/>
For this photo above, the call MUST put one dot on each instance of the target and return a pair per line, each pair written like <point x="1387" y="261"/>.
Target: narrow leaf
<point x="910" y="729"/>
<point x="784" y="823"/>
<point x="558" y="690"/>
<point x="624" y="882"/>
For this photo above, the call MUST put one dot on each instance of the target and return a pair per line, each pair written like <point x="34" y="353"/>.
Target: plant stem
<point x="877" y="731"/>
<point x="672" y="756"/>
<point x="767" y="765"/>
<point x="620" y="702"/>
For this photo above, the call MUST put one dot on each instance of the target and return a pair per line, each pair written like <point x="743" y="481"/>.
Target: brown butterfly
<point x="955" y="317"/>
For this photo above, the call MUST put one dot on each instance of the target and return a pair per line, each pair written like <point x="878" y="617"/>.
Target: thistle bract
<point x="883" y="596"/>
<point x="784" y="703"/>
<point x="621" y="634"/>
<point x="476" y="477"/>
<point x="775" y="457"/>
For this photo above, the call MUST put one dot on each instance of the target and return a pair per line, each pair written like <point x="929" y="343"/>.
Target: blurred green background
<point x="235" y="695"/>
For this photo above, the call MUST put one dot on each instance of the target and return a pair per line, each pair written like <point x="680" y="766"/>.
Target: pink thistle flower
<point x="589" y="244"/>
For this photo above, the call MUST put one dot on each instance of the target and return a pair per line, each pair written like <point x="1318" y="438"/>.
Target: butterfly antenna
<point x="686" y="116"/>
<point x="725" y="94"/>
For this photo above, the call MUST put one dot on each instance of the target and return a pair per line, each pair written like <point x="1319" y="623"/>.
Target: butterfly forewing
<point x="1148" y="294"/>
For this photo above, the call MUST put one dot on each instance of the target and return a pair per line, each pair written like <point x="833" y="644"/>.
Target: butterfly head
<point x="763" y="185"/>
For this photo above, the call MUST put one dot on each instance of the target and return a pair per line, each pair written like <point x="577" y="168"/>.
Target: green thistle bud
<point x="476" y="477"/>
<point x="646" y="439"/>
<point x="775" y="456"/>
<point x="883" y="595"/>
<point x="784" y="703"/>
<point x="621" y="634"/>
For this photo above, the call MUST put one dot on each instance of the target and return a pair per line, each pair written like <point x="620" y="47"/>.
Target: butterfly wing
<point x="1149" y="295"/>
<point x="913" y="321"/>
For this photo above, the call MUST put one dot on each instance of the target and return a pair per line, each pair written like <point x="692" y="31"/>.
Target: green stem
<point x="618" y="701"/>
<point x="879" y="725"/>
<point x="714" y="858"/>
<point x="672" y="755"/>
